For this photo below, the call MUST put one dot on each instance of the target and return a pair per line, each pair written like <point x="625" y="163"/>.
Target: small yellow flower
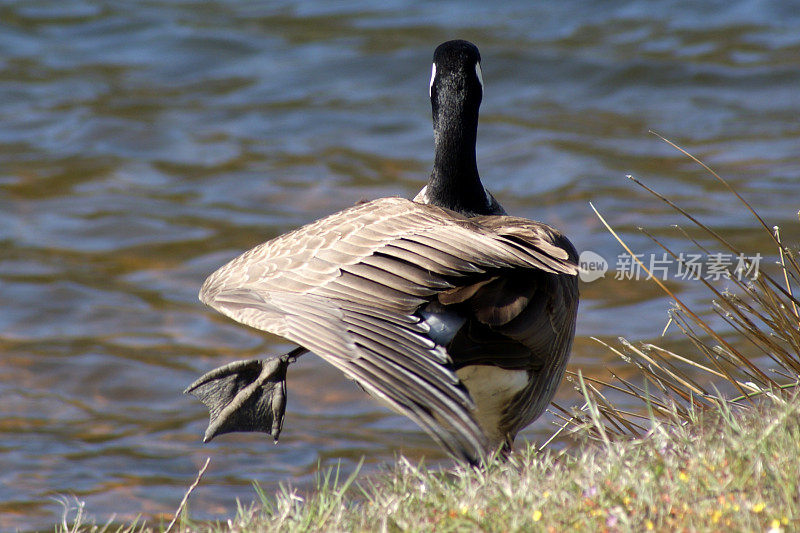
<point x="537" y="515"/>
<point x="649" y="525"/>
<point x="775" y="523"/>
<point x="626" y="500"/>
<point x="464" y="509"/>
<point x="546" y="494"/>
<point x="716" y="516"/>
<point x="760" y="506"/>
<point x="736" y="507"/>
<point x="683" y="476"/>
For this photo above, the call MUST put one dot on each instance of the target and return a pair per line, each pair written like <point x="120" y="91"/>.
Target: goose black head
<point x="456" y="87"/>
<point x="456" y="91"/>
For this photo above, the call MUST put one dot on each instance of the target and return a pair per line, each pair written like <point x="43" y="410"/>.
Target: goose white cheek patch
<point x="478" y="73"/>
<point x="433" y="75"/>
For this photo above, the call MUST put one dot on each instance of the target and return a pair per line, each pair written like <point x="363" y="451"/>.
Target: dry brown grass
<point x="760" y="313"/>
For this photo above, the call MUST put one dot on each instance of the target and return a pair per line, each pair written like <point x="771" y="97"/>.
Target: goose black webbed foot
<point x="245" y="395"/>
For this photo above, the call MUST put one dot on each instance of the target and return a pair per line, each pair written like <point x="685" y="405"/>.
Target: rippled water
<point x="142" y="144"/>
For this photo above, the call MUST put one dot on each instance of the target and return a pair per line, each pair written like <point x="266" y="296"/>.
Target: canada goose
<point x="452" y="312"/>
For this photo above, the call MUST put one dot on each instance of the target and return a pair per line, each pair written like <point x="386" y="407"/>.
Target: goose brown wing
<point x="348" y="286"/>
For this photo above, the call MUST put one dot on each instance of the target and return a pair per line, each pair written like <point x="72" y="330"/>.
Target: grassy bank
<point x="694" y="460"/>
<point x="726" y="470"/>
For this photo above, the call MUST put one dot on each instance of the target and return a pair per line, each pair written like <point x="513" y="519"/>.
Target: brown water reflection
<point x="144" y="144"/>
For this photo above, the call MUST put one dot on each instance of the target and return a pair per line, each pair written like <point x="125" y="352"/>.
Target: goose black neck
<point x="455" y="183"/>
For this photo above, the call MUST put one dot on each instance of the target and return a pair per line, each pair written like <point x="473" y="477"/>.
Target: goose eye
<point x="478" y="73"/>
<point x="433" y="75"/>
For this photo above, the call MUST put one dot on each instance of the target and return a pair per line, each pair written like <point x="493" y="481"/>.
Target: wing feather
<point x="389" y="279"/>
<point x="408" y="271"/>
<point x="429" y="258"/>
